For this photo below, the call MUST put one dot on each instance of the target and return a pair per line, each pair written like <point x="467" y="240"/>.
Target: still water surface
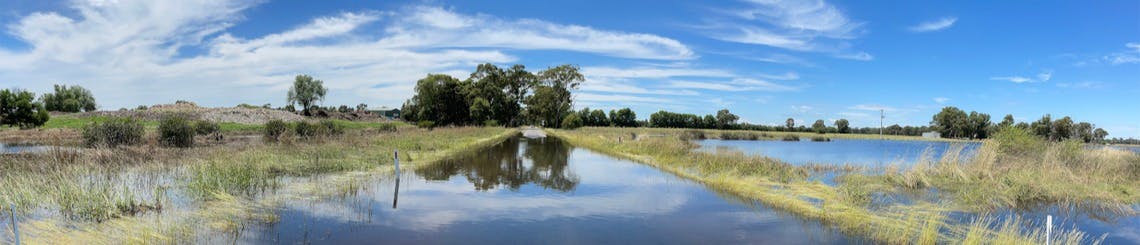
<point x="538" y="191"/>
<point x="860" y="152"/>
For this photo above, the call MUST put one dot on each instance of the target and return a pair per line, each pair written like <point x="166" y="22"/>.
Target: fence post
<point x="1048" y="229"/>
<point x="15" y="229"/>
<point x="397" y="154"/>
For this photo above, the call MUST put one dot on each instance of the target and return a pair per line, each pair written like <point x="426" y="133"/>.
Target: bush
<point x="274" y="129"/>
<point x="571" y="121"/>
<point x="491" y="123"/>
<point x="331" y="128"/>
<point x="426" y="124"/>
<point x="306" y="130"/>
<point x="176" y="131"/>
<point x="1018" y="141"/>
<point x="206" y="127"/>
<point x="113" y="132"/>
<point x="387" y="127"/>
<point x="820" y="139"/>
<point x="791" y="137"/>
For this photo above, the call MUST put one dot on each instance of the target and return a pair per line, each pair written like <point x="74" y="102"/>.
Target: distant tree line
<point x="495" y="96"/>
<point x="952" y="122"/>
<point x="723" y="120"/>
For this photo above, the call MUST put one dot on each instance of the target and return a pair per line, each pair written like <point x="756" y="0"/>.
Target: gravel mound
<point x="189" y="109"/>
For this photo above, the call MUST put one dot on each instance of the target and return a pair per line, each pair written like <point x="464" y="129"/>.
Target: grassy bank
<point x="1016" y="169"/>
<point x="163" y="195"/>
<point x="784" y="187"/>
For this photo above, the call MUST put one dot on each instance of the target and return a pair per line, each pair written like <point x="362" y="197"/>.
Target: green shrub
<point x="571" y="121"/>
<point x="331" y="128"/>
<point x="113" y="132"/>
<point x="387" y="127"/>
<point x="274" y="129"/>
<point x="425" y="124"/>
<point x="791" y="137"/>
<point x="305" y="129"/>
<point x="1018" y="141"/>
<point x="491" y="123"/>
<point x="206" y="127"/>
<point x="176" y="131"/>
<point x="820" y="139"/>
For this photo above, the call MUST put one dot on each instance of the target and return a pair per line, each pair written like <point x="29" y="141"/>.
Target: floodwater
<point x="22" y="148"/>
<point x="538" y="191"/>
<point x="858" y="152"/>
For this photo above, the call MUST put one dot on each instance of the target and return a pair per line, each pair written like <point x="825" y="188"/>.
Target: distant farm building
<point x="932" y="134"/>
<point x="384" y="111"/>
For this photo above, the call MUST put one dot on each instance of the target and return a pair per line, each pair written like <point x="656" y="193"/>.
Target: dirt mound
<point x="189" y="109"/>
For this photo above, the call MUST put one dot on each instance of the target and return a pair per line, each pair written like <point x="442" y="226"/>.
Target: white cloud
<point x="935" y="25"/>
<point x="872" y="107"/>
<point x="436" y="27"/>
<point x="132" y="52"/>
<point x="1014" y="79"/>
<point x="941" y="100"/>
<point x="814" y="26"/>
<point x="802" y="108"/>
<point x="738" y="84"/>
<point x="855" y="114"/>
<point x="1082" y="85"/>
<point x="652" y="72"/>
<point x="617" y="98"/>
<point x="1044" y="76"/>
<point x="1129" y="56"/>
<point x="861" y="56"/>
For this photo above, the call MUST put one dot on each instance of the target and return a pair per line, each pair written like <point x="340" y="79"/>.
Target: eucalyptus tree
<point x="306" y="92"/>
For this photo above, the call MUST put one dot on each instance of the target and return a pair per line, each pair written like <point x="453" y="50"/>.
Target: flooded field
<point x="537" y="191"/>
<point x="859" y="152"/>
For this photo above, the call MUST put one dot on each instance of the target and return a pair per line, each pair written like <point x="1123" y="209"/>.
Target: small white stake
<point x="1048" y="229"/>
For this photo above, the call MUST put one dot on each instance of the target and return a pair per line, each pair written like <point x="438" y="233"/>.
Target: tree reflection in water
<point x="541" y="161"/>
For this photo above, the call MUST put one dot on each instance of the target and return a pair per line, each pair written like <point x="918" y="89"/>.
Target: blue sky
<point x="763" y="60"/>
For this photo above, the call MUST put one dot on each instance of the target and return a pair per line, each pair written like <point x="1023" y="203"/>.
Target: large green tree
<point x="979" y="125"/>
<point x="439" y="98"/>
<point x="623" y="118"/>
<point x="306" y="92"/>
<point x="843" y="126"/>
<point x="69" y="99"/>
<point x="725" y="119"/>
<point x="819" y="126"/>
<point x="552" y="100"/>
<point x="951" y="122"/>
<point x="18" y="108"/>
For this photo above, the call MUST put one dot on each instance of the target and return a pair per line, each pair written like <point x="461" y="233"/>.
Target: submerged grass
<point x="116" y="195"/>
<point x="785" y="187"/>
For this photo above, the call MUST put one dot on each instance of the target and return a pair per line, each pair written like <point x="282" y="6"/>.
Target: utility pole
<point x="881" y="117"/>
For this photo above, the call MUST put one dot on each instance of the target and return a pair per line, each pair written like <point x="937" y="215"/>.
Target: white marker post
<point x="15" y="229"/>
<point x="1048" y="229"/>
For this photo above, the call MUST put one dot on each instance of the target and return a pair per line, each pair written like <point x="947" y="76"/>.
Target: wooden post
<point x="15" y="229"/>
<point x="397" y="154"/>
